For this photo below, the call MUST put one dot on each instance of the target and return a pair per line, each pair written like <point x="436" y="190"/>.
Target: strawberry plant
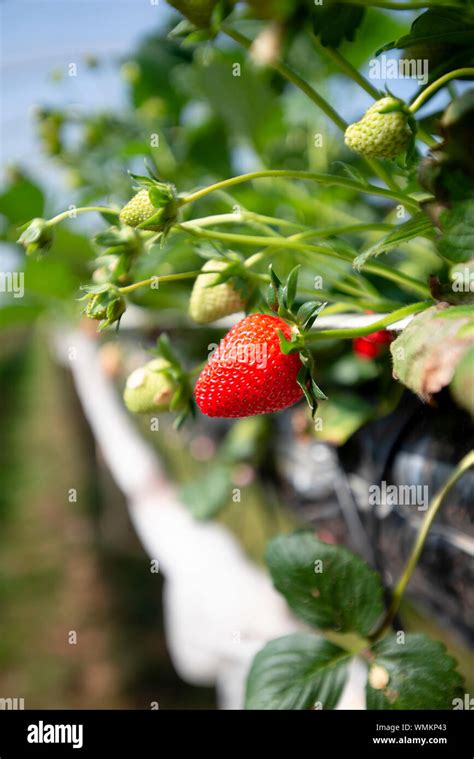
<point x="336" y="592"/>
<point x="372" y="219"/>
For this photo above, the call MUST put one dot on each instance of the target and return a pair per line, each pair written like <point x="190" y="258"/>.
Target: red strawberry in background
<point x="370" y="346"/>
<point x="249" y="374"/>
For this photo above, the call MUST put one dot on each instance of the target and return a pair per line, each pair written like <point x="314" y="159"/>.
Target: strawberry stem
<point x="358" y="303"/>
<point x="292" y="76"/>
<point x="284" y="242"/>
<point x="328" y="180"/>
<point x="386" y="321"/>
<point x="466" y="463"/>
<point x="430" y="90"/>
<point x="243" y="217"/>
<point x="157" y="280"/>
<point x="349" y="69"/>
<point x="71" y="213"/>
<point x="322" y="233"/>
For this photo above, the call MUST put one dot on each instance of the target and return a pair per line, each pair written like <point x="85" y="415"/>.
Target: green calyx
<point x="104" y="304"/>
<point x="122" y="245"/>
<point x="119" y="240"/>
<point x="281" y="300"/>
<point x="37" y="236"/>
<point x="199" y="12"/>
<point x="202" y="16"/>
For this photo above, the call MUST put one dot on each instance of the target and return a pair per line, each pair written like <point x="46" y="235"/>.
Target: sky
<point x="41" y="36"/>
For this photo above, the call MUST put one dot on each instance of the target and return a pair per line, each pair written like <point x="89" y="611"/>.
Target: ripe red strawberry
<point x="248" y="374"/>
<point x="370" y="346"/>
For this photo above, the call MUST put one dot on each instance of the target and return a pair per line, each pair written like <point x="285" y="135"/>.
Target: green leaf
<point x="462" y="386"/>
<point x="291" y="285"/>
<point x="297" y="672"/>
<point x="427" y="352"/>
<point x="350" y="370"/>
<point x="140" y="180"/>
<point x="23" y="200"/>
<point x="325" y="585"/>
<point x="182" y="29"/>
<point x="275" y="280"/>
<point x="208" y="251"/>
<point x="306" y="311"/>
<point x="312" y="318"/>
<point x="53" y="278"/>
<point x="352" y="172"/>
<point x="273" y="289"/>
<point x="165" y="349"/>
<point x="317" y="392"/>
<point x="342" y="415"/>
<point x="247" y="105"/>
<point x="18" y="313"/>
<point x="418" y="226"/>
<point x="457" y="223"/>
<point x="111" y="217"/>
<point x="247" y="440"/>
<point x="420" y="675"/>
<point x="302" y="379"/>
<point x="442" y="36"/>
<point x="333" y="22"/>
<point x="95" y="289"/>
<point x="209" y="494"/>
<point x="196" y="37"/>
<point x="457" y="162"/>
<point x="288" y="346"/>
<point x="457" y="312"/>
<point x="109" y="238"/>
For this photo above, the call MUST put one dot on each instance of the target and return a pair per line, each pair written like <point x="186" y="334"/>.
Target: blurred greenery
<point x="61" y="569"/>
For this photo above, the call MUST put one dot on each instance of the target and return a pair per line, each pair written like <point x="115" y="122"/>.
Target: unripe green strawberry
<point x="140" y="209"/>
<point x="199" y="12"/>
<point x="150" y="388"/>
<point x="208" y="302"/>
<point x="383" y="132"/>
